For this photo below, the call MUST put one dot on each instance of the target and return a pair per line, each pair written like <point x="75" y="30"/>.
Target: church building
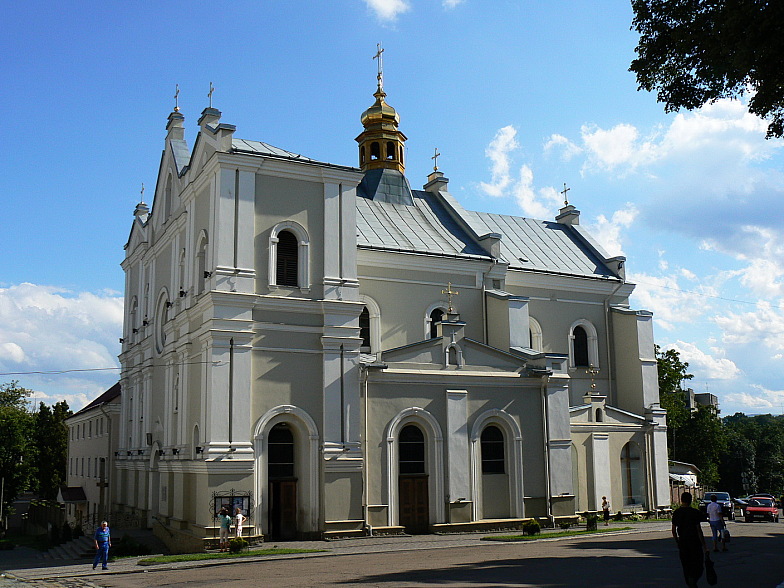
<point x="339" y="354"/>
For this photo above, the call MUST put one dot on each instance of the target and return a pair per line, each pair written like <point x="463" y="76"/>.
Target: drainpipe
<point x="546" y="435"/>
<point x="365" y="509"/>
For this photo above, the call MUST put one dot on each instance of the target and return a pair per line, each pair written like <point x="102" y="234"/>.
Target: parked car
<point x="724" y="499"/>
<point x="761" y="507"/>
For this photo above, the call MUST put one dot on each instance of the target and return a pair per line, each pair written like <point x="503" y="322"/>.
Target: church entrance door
<point x="283" y="509"/>
<point x="282" y="496"/>
<point x="414" y="512"/>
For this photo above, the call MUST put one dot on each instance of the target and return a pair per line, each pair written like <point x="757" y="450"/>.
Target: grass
<point x="550" y="535"/>
<point x="162" y="559"/>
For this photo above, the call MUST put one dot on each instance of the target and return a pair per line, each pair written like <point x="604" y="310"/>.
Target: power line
<point x="106" y="369"/>
<point x="702" y="294"/>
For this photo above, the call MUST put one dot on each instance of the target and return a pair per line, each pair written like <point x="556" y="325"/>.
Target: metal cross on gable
<point x="209" y="94"/>
<point x="449" y="293"/>
<point x="593" y="372"/>
<point x="176" y="97"/>
<point x="435" y="157"/>
<point x="380" y="58"/>
<point x="564" y="191"/>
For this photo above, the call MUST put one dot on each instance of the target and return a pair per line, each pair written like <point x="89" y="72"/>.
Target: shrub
<point x="532" y="527"/>
<point x="591" y="522"/>
<point x="565" y="525"/>
<point x="618" y="516"/>
<point x="237" y="544"/>
<point x="6" y="544"/>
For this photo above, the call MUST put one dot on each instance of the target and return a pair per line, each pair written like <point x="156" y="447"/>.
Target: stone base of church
<point x="484" y="526"/>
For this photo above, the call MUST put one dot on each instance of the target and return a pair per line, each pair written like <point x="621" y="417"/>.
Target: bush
<point x="591" y="522"/>
<point x="565" y="525"/>
<point x="6" y="544"/>
<point x="618" y="516"/>
<point x="237" y="544"/>
<point x="531" y="527"/>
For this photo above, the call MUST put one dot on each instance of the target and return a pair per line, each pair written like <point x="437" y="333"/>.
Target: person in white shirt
<point x="716" y="521"/>
<point x="239" y="518"/>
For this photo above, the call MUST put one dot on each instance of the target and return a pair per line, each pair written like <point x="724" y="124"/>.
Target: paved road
<point x="638" y="559"/>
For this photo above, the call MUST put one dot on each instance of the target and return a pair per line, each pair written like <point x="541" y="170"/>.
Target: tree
<point x="15" y="441"/>
<point x="703" y="442"/>
<point x="51" y="439"/>
<point x="672" y="373"/>
<point x="692" y="52"/>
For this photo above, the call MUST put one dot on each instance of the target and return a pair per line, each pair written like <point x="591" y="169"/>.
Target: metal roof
<point x="261" y="148"/>
<point x="542" y="245"/>
<point x="422" y="227"/>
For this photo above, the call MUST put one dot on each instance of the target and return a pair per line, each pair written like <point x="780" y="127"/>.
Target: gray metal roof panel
<point x="265" y="149"/>
<point x="543" y="246"/>
<point x="421" y="227"/>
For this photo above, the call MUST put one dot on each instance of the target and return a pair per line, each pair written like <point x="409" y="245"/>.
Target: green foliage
<point x="51" y="433"/>
<point x="564" y="525"/>
<point x="754" y="461"/>
<point x="531" y="527"/>
<point x="672" y="373"/>
<point x="591" y="522"/>
<point x="692" y="52"/>
<point x="15" y="441"/>
<point x="237" y="544"/>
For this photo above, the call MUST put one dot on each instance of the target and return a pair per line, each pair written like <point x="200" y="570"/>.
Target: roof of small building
<point x="104" y="398"/>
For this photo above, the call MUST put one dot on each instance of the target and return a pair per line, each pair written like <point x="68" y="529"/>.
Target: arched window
<point x="167" y="197"/>
<point x="435" y="317"/>
<point x="362" y="155"/>
<point x="200" y="281"/>
<point x="364" y="329"/>
<point x="288" y="256"/>
<point x="411" y="450"/>
<point x="631" y="474"/>
<point x="583" y="345"/>
<point x="287" y="262"/>
<point x="280" y="446"/>
<point x="162" y="317"/>
<point x="375" y="151"/>
<point x="493" y="459"/>
<point x="580" y="347"/>
<point x="390" y="150"/>
<point x="599" y="415"/>
<point x="535" y="335"/>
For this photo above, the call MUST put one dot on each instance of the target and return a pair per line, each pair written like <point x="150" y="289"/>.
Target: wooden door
<point x="414" y="510"/>
<point x="283" y="509"/>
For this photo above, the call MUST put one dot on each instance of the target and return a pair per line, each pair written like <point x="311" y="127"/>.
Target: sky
<point x="519" y="97"/>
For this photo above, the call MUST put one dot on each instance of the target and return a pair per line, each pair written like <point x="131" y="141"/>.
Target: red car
<point x="761" y="507"/>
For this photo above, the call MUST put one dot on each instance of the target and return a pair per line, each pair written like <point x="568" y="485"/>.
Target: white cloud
<point x="532" y="202"/>
<point x="608" y="231"/>
<point x="764" y="399"/>
<point x="671" y="305"/>
<point x="388" y="10"/>
<point x="568" y="149"/>
<point x="45" y="328"/>
<point x="762" y="327"/>
<point x="618" y="147"/>
<point x="449" y="4"/>
<point x="705" y="366"/>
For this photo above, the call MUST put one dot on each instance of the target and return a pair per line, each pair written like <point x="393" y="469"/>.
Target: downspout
<point x="546" y="435"/>
<point x="365" y="474"/>
<point x="109" y="460"/>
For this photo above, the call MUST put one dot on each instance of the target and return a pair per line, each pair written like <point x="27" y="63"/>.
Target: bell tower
<point x="381" y="144"/>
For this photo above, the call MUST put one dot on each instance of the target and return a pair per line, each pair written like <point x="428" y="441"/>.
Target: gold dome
<point x="381" y="144"/>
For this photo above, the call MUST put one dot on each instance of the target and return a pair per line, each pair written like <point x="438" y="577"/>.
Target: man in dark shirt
<point x="688" y="535"/>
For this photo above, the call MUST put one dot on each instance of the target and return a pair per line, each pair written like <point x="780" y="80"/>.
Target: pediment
<point x="476" y="356"/>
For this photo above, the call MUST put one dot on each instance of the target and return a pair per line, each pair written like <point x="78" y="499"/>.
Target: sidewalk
<point x="24" y="565"/>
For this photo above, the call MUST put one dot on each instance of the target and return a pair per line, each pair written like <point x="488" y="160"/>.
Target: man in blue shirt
<point x="103" y="541"/>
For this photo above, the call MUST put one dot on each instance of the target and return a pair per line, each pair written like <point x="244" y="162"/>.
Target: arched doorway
<point x="414" y="513"/>
<point x="282" y="495"/>
<point x="495" y="477"/>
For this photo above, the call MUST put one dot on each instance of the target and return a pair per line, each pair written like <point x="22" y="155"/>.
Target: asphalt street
<point x="645" y="556"/>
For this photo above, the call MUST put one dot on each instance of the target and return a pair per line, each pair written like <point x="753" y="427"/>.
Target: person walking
<point x="103" y="541"/>
<point x="606" y="510"/>
<point x="716" y="522"/>
<point x="224" y="520"/>
<point x="239" y="518"/>
<point x="688" y="535"/>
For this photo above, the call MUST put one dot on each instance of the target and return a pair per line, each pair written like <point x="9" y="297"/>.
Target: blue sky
<point x="519" y="97"/>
